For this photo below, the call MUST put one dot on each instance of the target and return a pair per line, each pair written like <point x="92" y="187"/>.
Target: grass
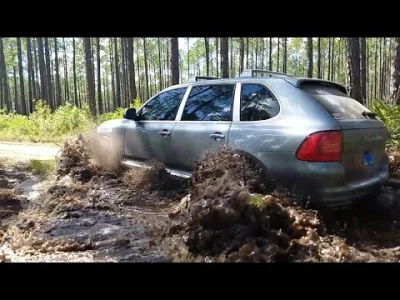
<point x="35" y="166"/>
<point x="45" y="126"/>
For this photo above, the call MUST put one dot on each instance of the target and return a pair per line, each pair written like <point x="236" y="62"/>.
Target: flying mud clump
<point x="227" y="219"/>
<point x="156" y="179"/>
<point x="75" y="160"/>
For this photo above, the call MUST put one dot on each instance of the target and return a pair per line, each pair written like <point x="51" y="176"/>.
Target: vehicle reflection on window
<point x="209" y="103"/>
<point x="257" y="103"/>
<point x="163" y="107"/>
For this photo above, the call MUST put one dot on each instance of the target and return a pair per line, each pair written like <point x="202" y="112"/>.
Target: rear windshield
<point x="335" y="101"/>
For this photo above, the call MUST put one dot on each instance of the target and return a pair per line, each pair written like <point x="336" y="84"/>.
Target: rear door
<point x="364" y="136"/>
<point x="204" y="125"/>
<point x="149" y="135"/>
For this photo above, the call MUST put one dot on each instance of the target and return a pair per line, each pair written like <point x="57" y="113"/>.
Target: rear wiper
<point x="369" y="114"/>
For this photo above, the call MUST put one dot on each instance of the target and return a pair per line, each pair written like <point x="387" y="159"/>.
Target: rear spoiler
<point x="298" y="82"/>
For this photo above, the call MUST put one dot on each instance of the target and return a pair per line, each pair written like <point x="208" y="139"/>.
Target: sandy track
<point x="26" y="151"/>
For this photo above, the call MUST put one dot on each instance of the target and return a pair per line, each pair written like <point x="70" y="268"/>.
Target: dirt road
<point x="25" y="151"/>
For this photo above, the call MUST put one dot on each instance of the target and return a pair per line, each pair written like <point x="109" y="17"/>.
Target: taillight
<point x="321" y="146"/>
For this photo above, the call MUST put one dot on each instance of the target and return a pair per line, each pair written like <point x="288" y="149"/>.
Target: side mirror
<point x="130" y="113"/>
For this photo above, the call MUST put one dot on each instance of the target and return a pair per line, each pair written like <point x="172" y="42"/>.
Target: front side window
<point x="257" y="103"/>
<point x="209" y="103"/>
<point x="163" y="107"/>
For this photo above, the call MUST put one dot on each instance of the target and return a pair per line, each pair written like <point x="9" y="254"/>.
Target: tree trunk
<point x="270" y="54"/>
<point x="247" y="53"/>
<point x="284" y="55"/>
<point x="16" y="104"/>
<point x="123" y="73"/>
<point x="21" y="77"/>
<point x="207" y="48"/>
<point x="216" y="56"/>
<point x="160" y="79"/>
<point x="90" y="77"/>
<point x="31" y="74"/>
<point x="36" y="64"/>
<point x="224" y="57"/>
<point x="310" y="57"/>
<point x="66" y="84"/>
<point x="241" y="55"/>
<point x="231" y="62"/>
<point x="363" y="65"/>
<point x="174" y="61"/>
<point x="353" y="54"/>
<point x="319" y="59"/>
<point x="396" y="72"/>
<point x="48" y="74"/>
<point x="77" y="101"/>
<point x="131" y="69"/>
<point x="99" y="97"/>
<point x="146" y="68"/>
<point x="58" y="83"/>
<point x="114" y="99"/>
<point x="277" y="59"/>
<point x="329" y="57"/>
<point x="42" y="68"/>
<point x="4" y="76"/>
<point x="333" y="60"/>
<point x="117" y="73"/>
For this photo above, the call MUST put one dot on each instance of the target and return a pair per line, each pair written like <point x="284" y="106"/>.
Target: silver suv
<point x="307" y="132"/>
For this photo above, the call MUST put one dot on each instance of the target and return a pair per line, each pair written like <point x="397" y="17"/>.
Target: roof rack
<point x="252" y="72"/>
<point x="198" y="78"/>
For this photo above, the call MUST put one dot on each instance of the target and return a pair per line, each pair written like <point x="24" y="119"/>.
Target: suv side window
<point x="257" y="103"/>
<point x="163" y="107"/>
<point x="209" y="103"/>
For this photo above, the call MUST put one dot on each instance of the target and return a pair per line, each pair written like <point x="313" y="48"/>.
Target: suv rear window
<point x="335" y="101"/>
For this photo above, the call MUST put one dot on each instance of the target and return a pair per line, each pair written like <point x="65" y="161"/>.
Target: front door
<point x="149" y="135"/>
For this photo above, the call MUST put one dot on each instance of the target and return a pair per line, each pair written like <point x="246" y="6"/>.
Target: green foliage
<point x="117" y="114"/>
<point x="46" y="126"/>
<point x="390" y="115"/>
<point x="41" y="167"/>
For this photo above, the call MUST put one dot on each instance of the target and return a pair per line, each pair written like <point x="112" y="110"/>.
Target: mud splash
<point x="226" y="220"/>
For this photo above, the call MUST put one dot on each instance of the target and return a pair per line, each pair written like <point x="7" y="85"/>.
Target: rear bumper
<point x="353" y="192"/>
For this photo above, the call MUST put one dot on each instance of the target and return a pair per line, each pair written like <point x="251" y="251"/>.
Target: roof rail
<point x="253" y="72"/>
<point x="198" y="78"/>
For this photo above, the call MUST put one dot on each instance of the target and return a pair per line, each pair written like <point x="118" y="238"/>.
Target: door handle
<point x="217" y="136"/>
<point x="164" y="132"/>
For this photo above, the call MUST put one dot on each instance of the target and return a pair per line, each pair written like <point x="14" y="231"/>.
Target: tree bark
<point x="42" y="70"/>
<point x="99" y="97"/>
<point x="21" y="77"/>
<point x="58" y="83"/>
<point x="363" y="66"/>
<point x="224" y="57"/>
<point x="396" y="72"/>
<point x="90" y="77"/>
<point x="207" y="48"/>
<point x="131" y="69"/>
<point x="319" y="59"/>
<point x="77" y="101"/>
<point x="174" y="61"/>
<point x="310" y="57"/>
<point x="270" y="54"/>
<point x="4" y="76"/>
<point x="117" y="74"/>
<point x="48" y="74"/>
<point x="353" y="56"/>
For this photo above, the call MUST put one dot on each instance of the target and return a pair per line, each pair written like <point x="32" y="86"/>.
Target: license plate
<point x="368" y="159"/>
